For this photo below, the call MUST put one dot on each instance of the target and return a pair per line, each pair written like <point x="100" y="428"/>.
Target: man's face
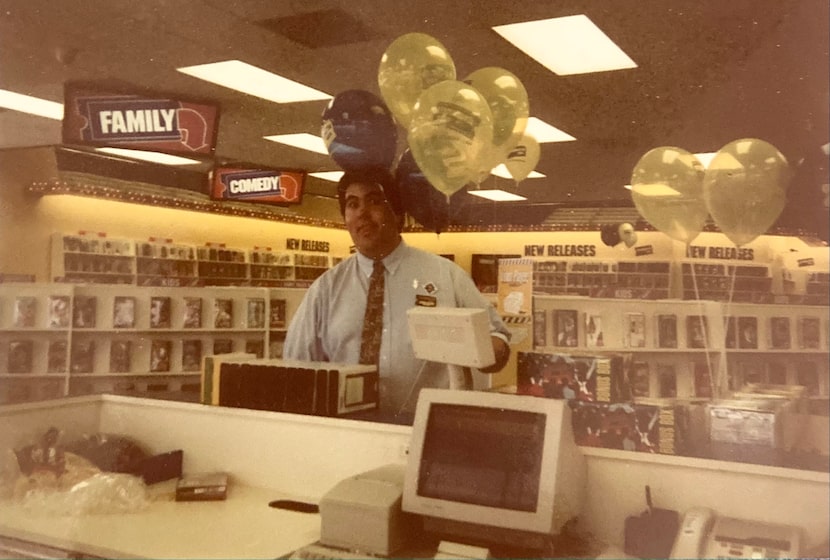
<point x="370" y="220"/>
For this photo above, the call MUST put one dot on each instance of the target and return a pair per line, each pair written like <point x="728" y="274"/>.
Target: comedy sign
<point x="251" y="184"/>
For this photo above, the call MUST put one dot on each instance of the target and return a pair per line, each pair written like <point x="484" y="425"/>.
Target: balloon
<point x="359" y="131"/>
<point x="410" y="65"/>
<point x="507" y="98"/>
<point x="667" y="189"/>
<point x="451" y="127"/>
<point x="745" y="188"/>
<point x="522" y="158"/>
<point x="422" y="201"/>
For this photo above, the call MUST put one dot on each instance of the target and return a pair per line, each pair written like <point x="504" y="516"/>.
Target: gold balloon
<point x="667" y="189"/>
<point x="745" y="188"/>
<point x="507" y="98"/>
<point x="410" y="65"/>
<point x="451" y="127"/>
<point x="523" y="157"/>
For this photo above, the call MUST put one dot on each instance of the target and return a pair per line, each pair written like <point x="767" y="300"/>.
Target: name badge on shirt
<point x="425" y="301"/>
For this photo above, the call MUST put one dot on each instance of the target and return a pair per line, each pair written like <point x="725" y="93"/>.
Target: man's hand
<point x="501" y="350"/>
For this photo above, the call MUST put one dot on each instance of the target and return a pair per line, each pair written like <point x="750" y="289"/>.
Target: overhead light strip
<point x="567" y="45"/>
<point x="244" y="77"/>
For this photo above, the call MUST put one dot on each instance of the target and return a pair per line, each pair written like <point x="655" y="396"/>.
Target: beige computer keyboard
<point x="317" y="551"/>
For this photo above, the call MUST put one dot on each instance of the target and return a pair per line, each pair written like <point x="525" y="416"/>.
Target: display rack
<point x="603" y="278"/>
<point x="165" y="264"/>
<point x="221" y="266"/>
<point x="723" y="282"/>
<point x="92" y="257"/>
<point x="674" y="347"/>
<point x="96" y="258"/>
<point x="73" y="339"/>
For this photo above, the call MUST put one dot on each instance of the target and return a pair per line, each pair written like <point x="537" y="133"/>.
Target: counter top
<point x="242" y="526"/>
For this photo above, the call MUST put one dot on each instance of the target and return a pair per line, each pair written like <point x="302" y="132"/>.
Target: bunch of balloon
<point x="429" y="207"/>
<point x="745" y="188"/>
<point x="359" y="131"/>
<point x="507" y="98"/>
<point x="522" y="158"/>
<point x="667" y="190"/>
<point x="450" y="131"/>
<point x="408" y="67"/>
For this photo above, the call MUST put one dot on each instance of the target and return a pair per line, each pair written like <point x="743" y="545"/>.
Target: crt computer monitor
<point x="493" y="469"/>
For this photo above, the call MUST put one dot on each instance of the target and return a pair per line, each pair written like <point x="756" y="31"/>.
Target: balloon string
<point x="706" y="350"/>
<point x="727" y="316"/>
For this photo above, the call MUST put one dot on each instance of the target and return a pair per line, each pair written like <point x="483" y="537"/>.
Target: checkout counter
<point x="272" y="456"/>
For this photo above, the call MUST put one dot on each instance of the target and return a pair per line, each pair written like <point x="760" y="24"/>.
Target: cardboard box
<point x="592" y="378"/>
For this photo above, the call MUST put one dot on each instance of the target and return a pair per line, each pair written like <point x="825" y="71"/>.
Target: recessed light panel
<point x="543" y="132"/>
<point x="241" y="76"/>
<point x="333" y="176"/>
<point x="303" y="140"/>
<point x="144" y="155"/>
<point x="31" y="105"/>
<point x="497" y="195"/>
<point x="567" y="45"/>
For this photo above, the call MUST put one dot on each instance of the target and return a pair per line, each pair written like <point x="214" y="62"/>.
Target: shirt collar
<point x="391" y="261"/>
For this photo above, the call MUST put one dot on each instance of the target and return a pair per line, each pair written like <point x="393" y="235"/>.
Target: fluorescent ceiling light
<point x="303" y="140"/>
<point x="241" y="76"/>
<point x="543" y="132"/>
<point x="567" y="45"/>
<point x="501" y="171"/>
<point x="31" y="105"/>
<point x="332" y="176"/>
<point x="497" y="195"/>
<point x="155" y="157"/>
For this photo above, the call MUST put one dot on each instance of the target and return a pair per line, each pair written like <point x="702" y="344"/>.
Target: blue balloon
<point x="359" y="131"/>
<point x="427" y="205"/>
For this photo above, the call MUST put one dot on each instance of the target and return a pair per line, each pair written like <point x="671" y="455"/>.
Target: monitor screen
<point x="493" y="468"/>
<point x="476" y="455"/>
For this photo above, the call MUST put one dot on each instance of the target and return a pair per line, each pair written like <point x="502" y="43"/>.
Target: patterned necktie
<point x="373" y="318"/>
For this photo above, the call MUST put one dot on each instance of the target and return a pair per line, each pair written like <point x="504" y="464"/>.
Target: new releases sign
<point x="109" y="118"/>
<point x="257" y="185"/>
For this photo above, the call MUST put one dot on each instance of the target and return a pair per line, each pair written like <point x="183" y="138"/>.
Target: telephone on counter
<point x="704" y="534"/>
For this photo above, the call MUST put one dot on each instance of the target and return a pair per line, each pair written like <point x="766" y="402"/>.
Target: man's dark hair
<point x="371" y="176"/>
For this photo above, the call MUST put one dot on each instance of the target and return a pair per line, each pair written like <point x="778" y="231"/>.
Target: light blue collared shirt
<point x="327" y="326"/>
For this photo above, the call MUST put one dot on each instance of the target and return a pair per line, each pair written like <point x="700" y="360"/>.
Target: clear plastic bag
<point x="47" y="478"/>
<point x="96" y="494"/>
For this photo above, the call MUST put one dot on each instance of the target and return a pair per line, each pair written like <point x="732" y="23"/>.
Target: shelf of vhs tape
<point x="653" y="375"/>
<point x="74" y="339"/>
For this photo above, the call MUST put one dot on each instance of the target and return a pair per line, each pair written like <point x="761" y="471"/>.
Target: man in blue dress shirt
<point x="328" y="324"/>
